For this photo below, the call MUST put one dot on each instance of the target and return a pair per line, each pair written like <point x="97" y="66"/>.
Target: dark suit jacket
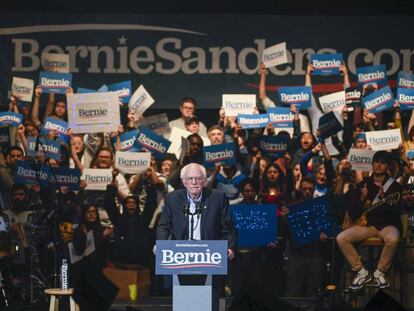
<point x="216" y="222"/>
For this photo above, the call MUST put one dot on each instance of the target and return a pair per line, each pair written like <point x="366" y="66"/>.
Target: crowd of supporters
<point x="124" y="218"/>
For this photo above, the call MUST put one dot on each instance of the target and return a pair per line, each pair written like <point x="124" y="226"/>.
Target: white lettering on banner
<point x="9" y="118"/>
<point x="53" y="126"/>
<point x="127" y="143"/>
<point x="168" y="57"/>
<point x="322" y="64"/>
<point x="406" y="83"/>
<point x="54" y="82"/>
<point x="274" y="117"/>
<point x="406" y="99"/>
<point x="83" y="113"/>
<point x="181" y="258"/>
<point x="24" y="172"/>
<point x="47" y="148"/>
<point x="253" y="121"/>
<point x="272" y="147"/>
<point x="123" y="93"/>
<point x="371" y="76"/>
<point x="292" y="98"/>
<point x="150" y="144"/>
<point x="219" y="155"/>
<point x="355" y="94"/>
<point x="378" y="101"/>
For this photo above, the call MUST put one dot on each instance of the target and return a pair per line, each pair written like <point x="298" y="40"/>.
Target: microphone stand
<point x="54" y="209"/>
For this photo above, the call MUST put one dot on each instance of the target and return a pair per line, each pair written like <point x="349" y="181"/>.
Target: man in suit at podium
<point x="197" y="213"/>
<point x="211" y="221"/>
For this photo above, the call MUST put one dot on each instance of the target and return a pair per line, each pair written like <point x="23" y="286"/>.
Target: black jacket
<point x="216" y="221"/>
<point x="387" y="214"/>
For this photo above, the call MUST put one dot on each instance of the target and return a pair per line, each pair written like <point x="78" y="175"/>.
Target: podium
<point x="192" y="265"/>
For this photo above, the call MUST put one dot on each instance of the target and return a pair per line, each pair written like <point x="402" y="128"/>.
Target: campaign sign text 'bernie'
<point x="154" y="143"/>
<point x="61" y="127"/>
<point x="379" y="100"/>
<point x="10" y="118"/>
<point x="274" y="146"/>
<point x="326" y="64"/>
<point x="251" y="121"/>
<point x="372" y="75"/>
<point x="297" y="95"/>
<point x="55" y="82"/>
<point x="124" y="90"/>
<point x="224" y="154"/>
<point x="405" y="97"/>
<point x="405" y="80"/>
<point x="280" y="117"/>
<point x="191" y="257"/>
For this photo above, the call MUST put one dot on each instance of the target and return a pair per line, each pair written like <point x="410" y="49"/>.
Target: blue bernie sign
<point x="152" y="142"/>
<point x="405" y="96"/>
<point x="55" y="82"/>
<point x="191" y="257"/>
<point x="28" y="172"/>
<point x="326" y="64"/>
<point x="372" y="75"/>
<point x="127" y="141"/>
<point x="280" y="117"/>
<point x="274" y="146"/>
<point x="405" y="80"/>
<point x="45" y="146"/>
<point x="10" y="119"/>
<point x="60" y="126"/>
<point x="380" y="100"/>
<point x="123" y="89"/>
<point x="295" y="95"/>
<point x="224" y="154"/>
<point x="251" y="121"/>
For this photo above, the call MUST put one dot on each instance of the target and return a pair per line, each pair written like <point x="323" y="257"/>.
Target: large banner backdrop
<point x="203" y="56"/>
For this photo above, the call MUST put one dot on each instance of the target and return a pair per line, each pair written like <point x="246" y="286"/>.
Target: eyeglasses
<point x="194" y="179"/>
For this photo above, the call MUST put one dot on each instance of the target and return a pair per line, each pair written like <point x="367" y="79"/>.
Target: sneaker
<point x="360" y="280"/>
<point x="379" y="279"/>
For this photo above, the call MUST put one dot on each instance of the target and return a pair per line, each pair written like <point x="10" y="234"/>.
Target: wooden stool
<point x="55" y="293"/>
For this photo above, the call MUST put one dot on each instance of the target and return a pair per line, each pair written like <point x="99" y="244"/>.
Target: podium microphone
<point x="198" y="209"/>
<point x="186" y="209"/>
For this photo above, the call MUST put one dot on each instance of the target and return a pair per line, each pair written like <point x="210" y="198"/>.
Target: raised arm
<point x="36" y="106"/>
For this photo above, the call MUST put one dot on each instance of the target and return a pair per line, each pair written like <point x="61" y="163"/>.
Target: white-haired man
<point x="215" y="222"/>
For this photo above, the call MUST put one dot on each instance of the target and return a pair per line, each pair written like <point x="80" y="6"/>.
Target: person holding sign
<point x="187" y="109"/>
<point x="374" y="211"/>
<point x="305" y="263"/>
<point x="267" y="102"/>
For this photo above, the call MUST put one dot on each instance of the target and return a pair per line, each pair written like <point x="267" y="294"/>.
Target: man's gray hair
<point x="184" y="170"/>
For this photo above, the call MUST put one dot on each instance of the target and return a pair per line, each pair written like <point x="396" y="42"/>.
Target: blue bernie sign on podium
<point x="191" y="257"/>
